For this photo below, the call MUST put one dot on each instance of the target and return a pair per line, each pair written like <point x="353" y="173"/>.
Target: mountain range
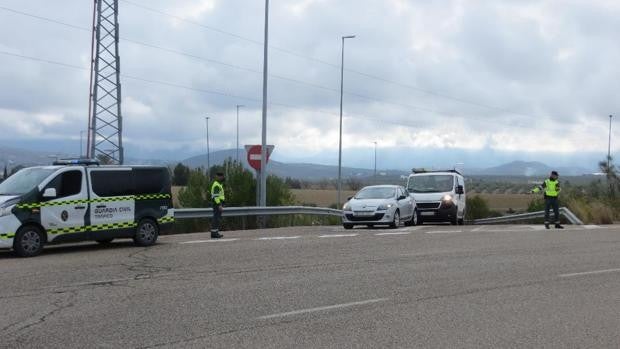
<point x="306" y="171"/>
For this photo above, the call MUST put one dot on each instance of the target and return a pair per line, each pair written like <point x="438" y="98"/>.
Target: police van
<point x="440" y="195"/>
<point x="79" y="200"/>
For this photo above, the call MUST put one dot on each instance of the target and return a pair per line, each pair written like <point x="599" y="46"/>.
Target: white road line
<point x="278" y="238"/>
<point x="203" y="241"/>
<point x="477" y="229"/>
<point x="590" y="227"/>
<point x="590" y="273"/>
<point x="329" y="307"/>
<point x="444" y="232"/>
<point x="414" y="228"/>
<point x="338" y="235"/>
<point x="398" y="233"/>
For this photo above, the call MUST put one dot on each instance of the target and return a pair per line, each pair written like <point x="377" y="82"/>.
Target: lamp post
<point x="609" y="144"/>
<point x="375" y="162"/>
<point x="238" y="106"/>
<point x="340" y="133"/>
<point x="208" y="149"/>
<point x="263" y="155"/>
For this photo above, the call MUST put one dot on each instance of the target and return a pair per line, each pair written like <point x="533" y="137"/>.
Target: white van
<point x="440" y="195"/>
<point x="77" y="200"/>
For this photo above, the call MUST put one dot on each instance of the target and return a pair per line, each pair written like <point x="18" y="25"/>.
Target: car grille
<point x="376" y="217"/>
<point x="428" y="205"/>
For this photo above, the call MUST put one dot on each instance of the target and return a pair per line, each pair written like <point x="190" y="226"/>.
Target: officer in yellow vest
<point x="551" y="189"/>
<point x="218" y="198"/>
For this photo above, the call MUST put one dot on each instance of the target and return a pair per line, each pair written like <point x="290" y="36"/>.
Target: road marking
<point x="414" y="228"/>
<point x="203" y="241"/>
<point x="444" y="232"/>
<point x="338" y="235"/>
<point x="279" y="238"/>
<point x="591" y="226"/>
<point x="591" y="273"/>
<point x="477" y="229"/>
<point x="398" y="233"/>
<point x="329" y="307"/>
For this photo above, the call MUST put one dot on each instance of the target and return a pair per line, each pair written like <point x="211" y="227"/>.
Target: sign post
<point x="254" y="160"/>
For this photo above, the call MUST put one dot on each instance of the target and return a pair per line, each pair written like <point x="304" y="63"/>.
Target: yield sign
<point x="254" y="155"/>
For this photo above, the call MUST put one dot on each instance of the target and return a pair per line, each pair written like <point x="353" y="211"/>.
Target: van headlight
<point x="447" y="198"/>
<point x="384" y="207"/>
<point x="6" y="210"/>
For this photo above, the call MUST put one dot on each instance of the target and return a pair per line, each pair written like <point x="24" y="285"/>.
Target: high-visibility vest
<point x="552" y="187"/>
<point x="217" y="193"/>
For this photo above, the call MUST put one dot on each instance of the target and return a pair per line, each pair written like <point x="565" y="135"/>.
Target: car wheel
<point x="147" y="233"/>
<point x="396" y="221"/>
<point x="347" y="226"/>
<point x="414" y="219"/>
<point x="104" y="241"/>
<point x="28" y="241"/>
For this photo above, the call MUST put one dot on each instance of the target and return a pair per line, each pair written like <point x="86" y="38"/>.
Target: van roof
<point x="436" y="173"/>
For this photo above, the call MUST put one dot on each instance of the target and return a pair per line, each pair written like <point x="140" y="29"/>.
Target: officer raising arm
<point x="218" y="198"/>
<point x="551" y="189"/>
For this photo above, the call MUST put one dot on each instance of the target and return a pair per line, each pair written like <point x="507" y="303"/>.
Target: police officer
<point x="218" y="198"/>
<point x="551" y="189"/>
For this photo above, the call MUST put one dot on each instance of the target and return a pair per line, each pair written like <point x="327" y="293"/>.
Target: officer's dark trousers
<point x="552" y="202"/>
<point x="217" y="218"/>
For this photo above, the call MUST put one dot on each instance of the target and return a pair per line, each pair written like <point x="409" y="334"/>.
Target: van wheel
<point x="347" y="226"/>
<point x="104" y="241"/>
<point x="28" y="241"/>
<point x="147" y="233"/>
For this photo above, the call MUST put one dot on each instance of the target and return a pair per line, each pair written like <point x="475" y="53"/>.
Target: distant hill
<point x="529" y="169"/>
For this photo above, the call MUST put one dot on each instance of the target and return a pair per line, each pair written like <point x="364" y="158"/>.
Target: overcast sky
<point x="519" y="78"/>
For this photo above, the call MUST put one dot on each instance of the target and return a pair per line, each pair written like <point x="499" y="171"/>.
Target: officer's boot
<point x="216" y="234"/>
<point x="558" y="226"/>
<point x="547" y="225"/>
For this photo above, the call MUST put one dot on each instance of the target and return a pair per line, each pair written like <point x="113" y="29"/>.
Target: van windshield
<point x="431" y="184"/>
<point x="24" y="181"/>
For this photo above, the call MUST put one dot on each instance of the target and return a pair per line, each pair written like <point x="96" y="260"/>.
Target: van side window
<point x="112" y="183"/>
<point x="151" y="181"/>
<point x="67" y="184"/>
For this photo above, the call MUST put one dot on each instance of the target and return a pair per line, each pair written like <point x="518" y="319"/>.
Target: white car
<point x="380" y="205"/>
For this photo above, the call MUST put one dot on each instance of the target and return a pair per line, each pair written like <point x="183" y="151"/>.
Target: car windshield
<point x="431" y="184"/>
<point x="24" y="181"/>
<point x="376" y="193"/>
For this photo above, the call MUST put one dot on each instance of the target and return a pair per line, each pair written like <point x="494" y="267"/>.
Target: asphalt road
<point x="322" y="287"/>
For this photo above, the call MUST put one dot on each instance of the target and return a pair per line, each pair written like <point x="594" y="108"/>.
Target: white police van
<point x="78" y="200"/>
<point x="440" y="195"/>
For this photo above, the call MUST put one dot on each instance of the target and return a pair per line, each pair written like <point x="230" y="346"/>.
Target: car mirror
<point x="50" y="193"/>
<point x="349" y="198"/>
<point x="402" y="197"/>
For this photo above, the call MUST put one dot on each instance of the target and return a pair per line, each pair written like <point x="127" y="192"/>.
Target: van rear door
<point x="112" y="203"/>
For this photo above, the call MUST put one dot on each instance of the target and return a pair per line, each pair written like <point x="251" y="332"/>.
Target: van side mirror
<point x="50" y="193"/>
<point x="460" y="190"/>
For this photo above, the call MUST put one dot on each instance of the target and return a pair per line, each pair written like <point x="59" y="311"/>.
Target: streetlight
<point x="208" y="149"/>
<point x="238" y="106"/>
<point x="375" y="162"/>
<point x="609" y="144"/>
<point x="81" y="142"/>
<point x="340" y="138"/>
<point x="263" y="153"/>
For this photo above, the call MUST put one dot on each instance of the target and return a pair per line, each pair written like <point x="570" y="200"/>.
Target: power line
<point x="193" y="56"/>
<point x="336" y="66"/>
<point x="212" y="92"/>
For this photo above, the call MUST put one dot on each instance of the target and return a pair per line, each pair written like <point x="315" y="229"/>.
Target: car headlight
<point x="346" y="207"/>
<point x="385" y="206"/>
<point x="6" y="210"/>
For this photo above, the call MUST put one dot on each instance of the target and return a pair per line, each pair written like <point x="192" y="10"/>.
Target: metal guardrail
<point x="572" y="218"/>
<point x="189" y="213"/>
